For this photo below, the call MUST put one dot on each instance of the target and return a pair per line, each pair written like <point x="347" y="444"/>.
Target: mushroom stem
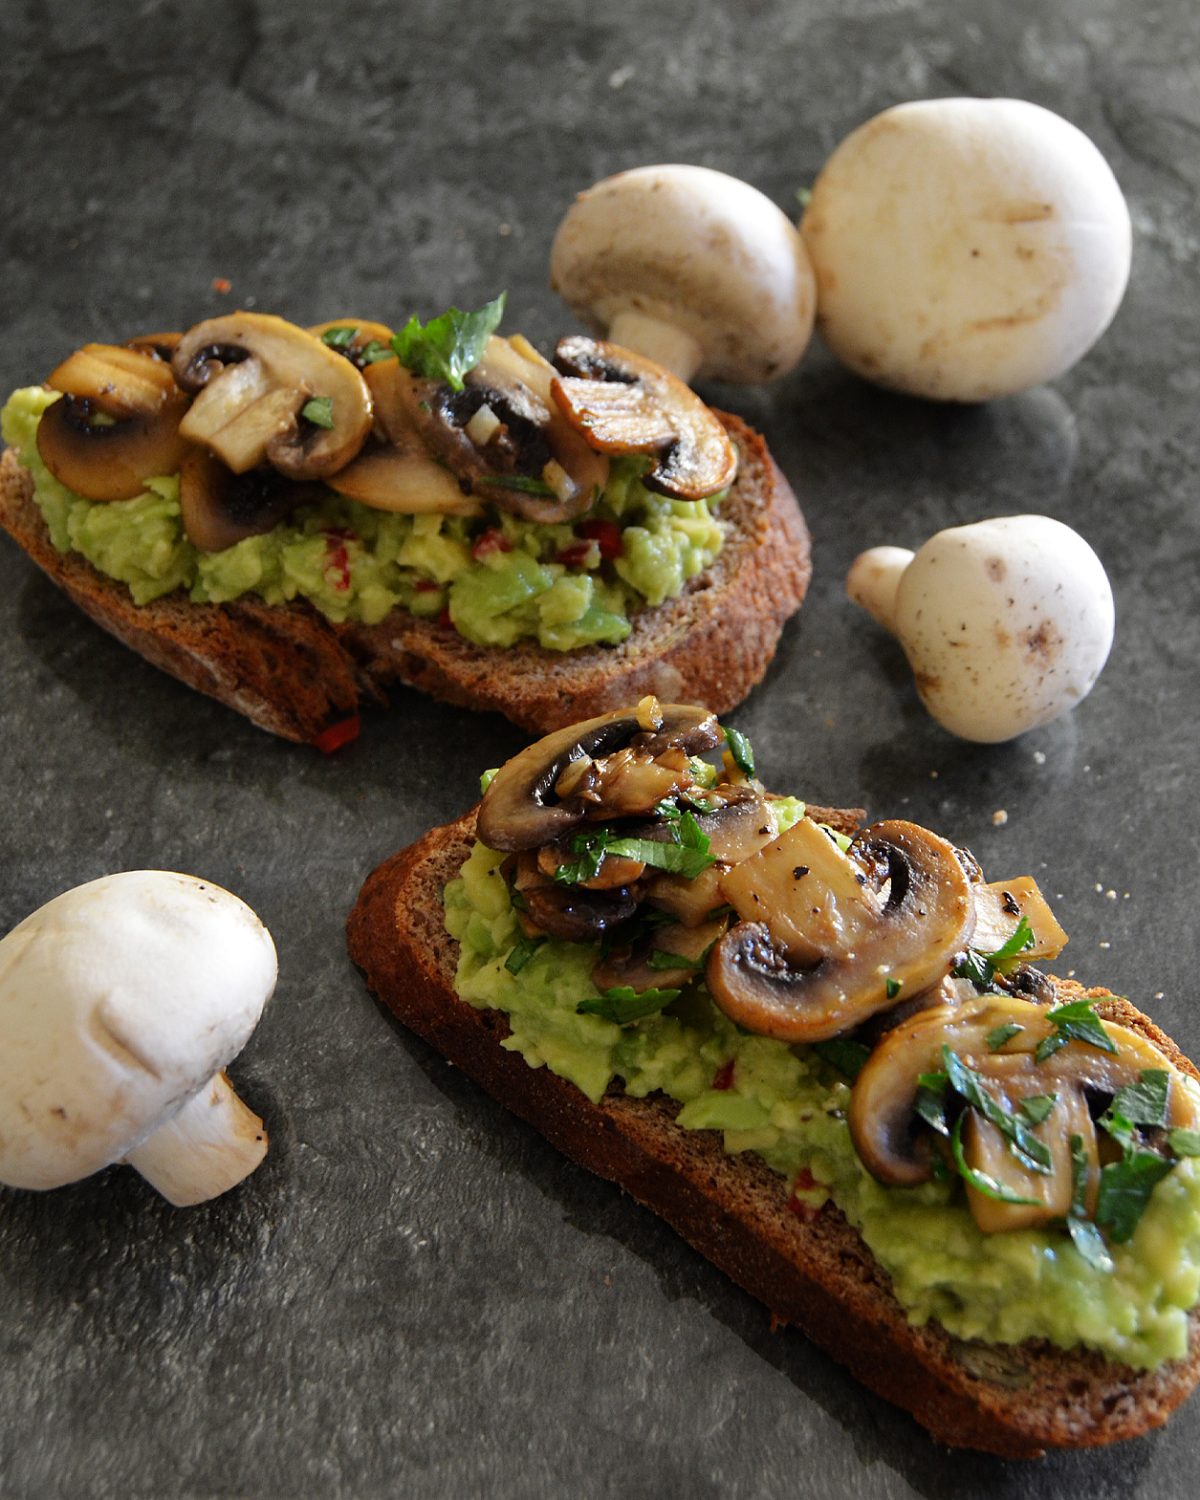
<point x="662" y="342"/>
<point x="873" y="580"/>
<point x="203" y="1150"/>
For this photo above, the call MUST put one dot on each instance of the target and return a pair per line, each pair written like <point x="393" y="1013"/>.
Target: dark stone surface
<point x="415" y="1295"/>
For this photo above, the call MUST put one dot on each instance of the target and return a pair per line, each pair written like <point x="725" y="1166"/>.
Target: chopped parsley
<point x="623" y="1004"/>
<point x="741" y="750"/>
<point x="319" y="411"/>
<point x="523" y="951"/>
<point x="982" y="968"/>
<point x="446" y="348"/>
<point x="1078" y="1022"/>
<point x="848" y="1057"/>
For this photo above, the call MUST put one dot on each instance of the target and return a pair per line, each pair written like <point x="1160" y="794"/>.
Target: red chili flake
<point x="723" y="1078"/>
<point x="344" y="732"/>
<point x="222" y="285"/>
<point x="426" y="586"/>
<point x="804" y="1182"/>
<point x="337" y="558"/>
<point x="491" y="541"/>
<point x="575" y="555"/>
<point x="607" y="533"/>
<point x="445" y="621"/>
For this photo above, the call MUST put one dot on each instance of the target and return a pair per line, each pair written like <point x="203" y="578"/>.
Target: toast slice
<point x="295" y="673"/>
<point x="816" y="1273"/>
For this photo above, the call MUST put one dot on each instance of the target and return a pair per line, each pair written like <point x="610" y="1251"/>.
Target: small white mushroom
<point x="121" y="1001"/>
<point x="1006" y="623"/>
<point x="966" y="248"/>
<point x="692" y="268"/>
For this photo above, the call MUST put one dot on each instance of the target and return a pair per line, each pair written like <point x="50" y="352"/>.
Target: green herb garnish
<point x="741" y="750"/>
<point x="341" y="337"/>
<point x="522" y="952"/>
<point x="982" y="968"/>
<point x="1030" y="1151"/>
<point x="996" y="1039"/>
<point x="982" y="1182"/>
<point x="661" y="958"/>
<point x="624" y="1004"/>
<point x="521" y="482"/>
<point x="1078" y="1022"/>
<point x="932" y="1089"/>
<point x="1086" y="1237"/>
<point x="319" y="411"/>
<point x="892" y="988"/>
<point x="1125" y="1188"/>
<point x="1034" y="1110"/>
<point x="372" y="353"/>
<point x="446" y="348"/>
<point x="846" y="1056"/>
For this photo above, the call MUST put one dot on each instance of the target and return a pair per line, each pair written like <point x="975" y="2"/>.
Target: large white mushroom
<point x="696" y="270"/>
<point x="966" y="248"/>
<point x="1006" y="623"/>
<point x="121" y="1001"/>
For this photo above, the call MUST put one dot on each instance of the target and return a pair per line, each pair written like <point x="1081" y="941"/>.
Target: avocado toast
<point x="622" y="1012"/>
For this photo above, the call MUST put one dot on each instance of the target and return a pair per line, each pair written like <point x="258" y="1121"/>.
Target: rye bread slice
<point x="294" y="673"/>
<point x="1013" y="1400"/>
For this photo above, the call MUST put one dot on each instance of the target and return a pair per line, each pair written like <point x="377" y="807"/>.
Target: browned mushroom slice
<point x="117" y="424"/>
<point x="740" y="826"/>
<point x="220" y="508"/>
<point x="999" y="908"/>
<point x="270" y="392"/>
<point x="565" y="911"/>
<point x="161" y="345"/>
<point x="895" y="1148"/>
<point x="410" y="483"/>
<point x="622" y="402"/>
<point x="647" y="964"/>
<point x="836" y="938"/>
<point x="522" y="808"/>
<point x="501" y="435"/>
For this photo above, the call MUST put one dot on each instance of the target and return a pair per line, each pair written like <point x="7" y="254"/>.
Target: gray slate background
<point x="416" y="1295"/>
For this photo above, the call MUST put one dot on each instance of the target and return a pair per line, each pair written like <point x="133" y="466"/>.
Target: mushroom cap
<point x="1006" y="624"/>
<point x="966" y="248"/>
<point x="696" y="249"/>
<point x="118" y="1000"/>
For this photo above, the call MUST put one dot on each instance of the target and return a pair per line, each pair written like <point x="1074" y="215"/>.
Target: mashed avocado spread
<point x="496" y="581"/>
<point x="787" y="1105"/>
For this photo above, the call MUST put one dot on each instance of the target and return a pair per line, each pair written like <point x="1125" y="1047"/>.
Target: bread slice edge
<point x="816" y="1274"/>
<point x="295" y="673"/>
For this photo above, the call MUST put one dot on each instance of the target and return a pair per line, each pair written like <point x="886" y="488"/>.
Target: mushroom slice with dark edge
<point x="502" y="435"/>
<point x="999" y="908"/>
<point x="646" y="964"/>
<point x="741" y="825"/>
<point x="521" y="809"/>
<point x="117" y="423"/>
<point x="562" y="911"/>
<point x="827" y="939"/>
<point x="896" y="1150"/>
<point x="395" y="470"/>
<point x="622" y="402"/>
<point x="269" y="391"/>
<point x="220" y="508"/>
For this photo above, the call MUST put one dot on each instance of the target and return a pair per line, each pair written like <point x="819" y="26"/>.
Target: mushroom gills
<point x="255" y="374"/>
<point x="220" y="508"/>
<point x="645" y="964"/>
<point x="868" y="928"/>
<point x="884" y="1125"/>
<point x="621" y="402"/>
<point x="521" y="809"/>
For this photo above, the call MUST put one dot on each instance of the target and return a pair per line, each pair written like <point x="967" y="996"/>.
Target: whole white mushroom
<point x="121" y="1001"/>
<point x="966" y="248"/>
<point x="696" y="270"/>
<point x="1006" y="623"/>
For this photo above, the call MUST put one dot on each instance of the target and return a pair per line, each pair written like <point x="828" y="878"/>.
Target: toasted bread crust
<point x="294" y="673"/>
<point x="1014" y="1401"/>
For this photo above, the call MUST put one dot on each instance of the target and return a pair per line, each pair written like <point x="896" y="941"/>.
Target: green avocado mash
<point x="788" y="1106"/>
<point x="355" y="563"/>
